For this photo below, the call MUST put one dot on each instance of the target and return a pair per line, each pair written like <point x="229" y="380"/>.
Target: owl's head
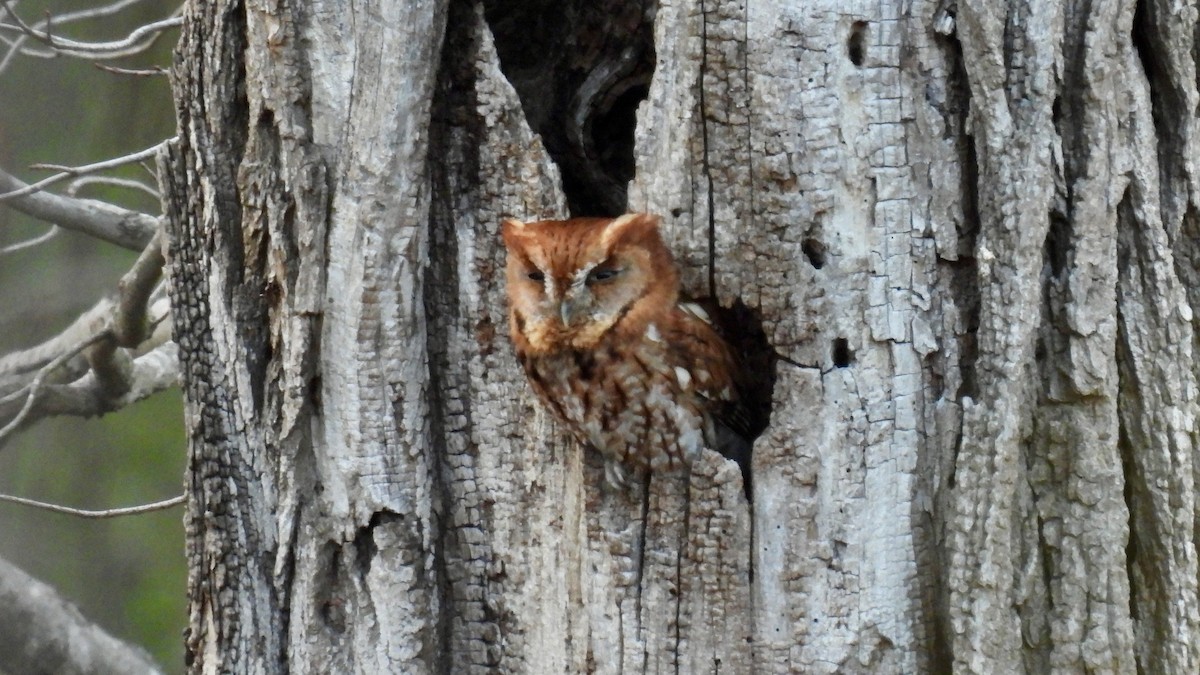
<point x="571" y="282"/>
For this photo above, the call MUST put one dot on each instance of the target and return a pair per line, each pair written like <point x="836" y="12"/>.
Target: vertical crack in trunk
<point x="680" y="557"/>
<point x="1156" y="407"/>
<point x="1145" y="39"/>
<point x="640" y="570"/>
<point x="469" y="635"/>
<point x="706" y="166"/>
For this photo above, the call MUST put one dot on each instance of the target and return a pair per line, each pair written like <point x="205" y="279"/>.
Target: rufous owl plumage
<point x="598" y="325"/>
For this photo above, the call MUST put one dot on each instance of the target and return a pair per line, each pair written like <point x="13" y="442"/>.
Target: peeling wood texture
<point x="970" y="232"/>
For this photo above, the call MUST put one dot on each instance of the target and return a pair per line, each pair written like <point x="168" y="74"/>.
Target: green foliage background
<point x="127" y="574"/>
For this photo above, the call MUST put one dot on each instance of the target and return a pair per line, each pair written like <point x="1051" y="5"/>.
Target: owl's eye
<point x="603" y="274"/>
<point x="537" y="276"/>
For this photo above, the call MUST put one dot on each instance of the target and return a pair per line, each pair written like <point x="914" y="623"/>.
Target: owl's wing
<point x="730" y="346"/>
<point x="720" y="374"/>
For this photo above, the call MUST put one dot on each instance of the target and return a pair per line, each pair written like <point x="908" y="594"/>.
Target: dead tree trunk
<point x="969" y="232"/>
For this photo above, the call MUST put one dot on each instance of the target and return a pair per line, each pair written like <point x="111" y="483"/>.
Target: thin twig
<point x="138" y="41"/>
<point x="135" y="72"/>
<point x="89" y="13"/>
<point x="106" y="513"/>
<point x="14" y="48"/>
<point x="68" y="171"/>
<point x="81" y="182"/>
<point x="30" y="243"/>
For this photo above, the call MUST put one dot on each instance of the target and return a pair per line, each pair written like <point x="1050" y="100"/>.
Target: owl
<point x="598" y="325"/>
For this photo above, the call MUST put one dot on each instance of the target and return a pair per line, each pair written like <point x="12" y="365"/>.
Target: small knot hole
<point x="856" y="46"/>
<point x="842" y="356"/>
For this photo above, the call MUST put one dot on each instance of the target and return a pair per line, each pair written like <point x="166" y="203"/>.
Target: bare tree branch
<point x="41" y="632"/>
<point x="123" y="227"/>
<point x="104" y="513"/>
<point x="116" y="353"/>
<point x="88" y="396"/>
<point x="32" y="391"/>
<point x="85" y="14"/>
<point x="135" y="287"/>
<point x="112" y="332"/>
<point x="20" y="364"/>
<point x="112" y="365"/>
<point x="136" y="72"/>
<point x="139" y="40"/>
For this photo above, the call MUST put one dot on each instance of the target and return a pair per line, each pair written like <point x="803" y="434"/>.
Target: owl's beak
<point x="569" y="310"/>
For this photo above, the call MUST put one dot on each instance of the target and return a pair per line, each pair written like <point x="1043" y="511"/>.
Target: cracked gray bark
<point x="970" y="231"/>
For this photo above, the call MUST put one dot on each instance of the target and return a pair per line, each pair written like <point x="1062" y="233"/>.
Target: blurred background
<point x="126" y="574"/>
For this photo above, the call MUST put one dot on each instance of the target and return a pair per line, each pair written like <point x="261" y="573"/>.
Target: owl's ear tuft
<point x="510" y="229"/>
<point x="631" y="226"/>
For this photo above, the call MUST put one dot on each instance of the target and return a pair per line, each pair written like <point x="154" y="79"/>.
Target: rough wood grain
<point x="509" y="495"/>
<point x="309" y="520"/>
<point x="1053" y="529"/>
<point x="797" y="153"/>
<point x="969" y="230"/>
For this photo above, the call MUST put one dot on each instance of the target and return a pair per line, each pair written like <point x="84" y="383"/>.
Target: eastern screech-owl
<point x="609" y="348"/>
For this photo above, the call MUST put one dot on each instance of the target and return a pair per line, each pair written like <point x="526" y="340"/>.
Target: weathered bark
<point x="969" y="232"/>
<point x="295" y="253"/>
<point x="792" y="188"/>
<point x="1072" y="529"/>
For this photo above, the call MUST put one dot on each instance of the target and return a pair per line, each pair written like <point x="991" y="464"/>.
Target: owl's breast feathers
<point x="650" y="396"/>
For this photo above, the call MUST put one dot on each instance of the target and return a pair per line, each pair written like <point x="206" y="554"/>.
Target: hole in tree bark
<point x="842" y="356"/>
<point x="856" y="46"/>
<point x="742" y="327"/>
<point x="580" y="69"/>
<point x="815" y="252"/>
<point x="330" y="608"/>
<point x="612" y="132"/>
